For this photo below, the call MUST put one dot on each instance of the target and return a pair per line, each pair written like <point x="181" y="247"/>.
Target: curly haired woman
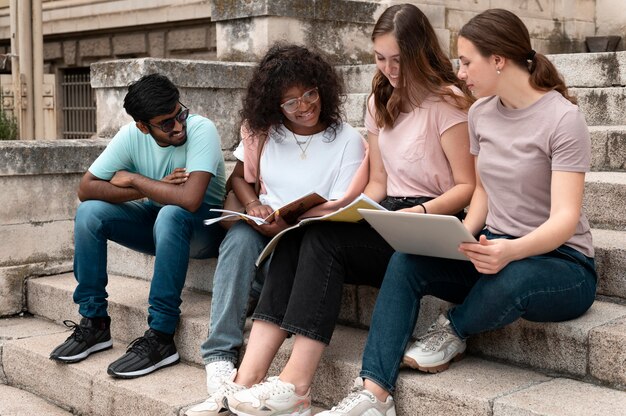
<point x="291" y="114"/>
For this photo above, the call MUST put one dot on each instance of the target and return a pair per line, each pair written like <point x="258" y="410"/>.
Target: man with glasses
<point x="149" y="190"/>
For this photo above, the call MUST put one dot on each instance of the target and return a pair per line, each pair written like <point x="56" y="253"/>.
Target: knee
<point x="90" y="213"/>
<point x="242" y="239"/>
<point x="173" y="216"/>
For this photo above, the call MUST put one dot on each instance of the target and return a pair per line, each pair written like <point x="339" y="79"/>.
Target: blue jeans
<point x="552" y="287"/>
<point x="170" y="233"/>
<point x="232" y="282"/>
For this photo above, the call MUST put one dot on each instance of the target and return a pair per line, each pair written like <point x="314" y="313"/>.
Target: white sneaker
<point x="216" y="373"/>
<point x="272" y="397"/>
<point x="214" y="406"/>
<point x="433" y="351"/>
<point x="361" y="402"/>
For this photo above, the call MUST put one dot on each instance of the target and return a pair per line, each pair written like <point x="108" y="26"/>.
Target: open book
<point x="289" y="212"/>
<point x="349" y="213"/>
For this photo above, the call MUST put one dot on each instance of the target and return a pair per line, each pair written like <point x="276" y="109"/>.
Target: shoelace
<point x="226" y="389"/>
<point x="351" y="400"/>
<point x="221" y="370"/>
<point x="79" y="333"/>
<point x="142" y="345"/>
<point x="272" y="386"/>
<point x="434" y="337"/>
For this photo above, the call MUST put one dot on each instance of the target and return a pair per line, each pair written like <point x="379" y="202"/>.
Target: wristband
<point x="254" y="200"/>
<point x="423" y="207"/>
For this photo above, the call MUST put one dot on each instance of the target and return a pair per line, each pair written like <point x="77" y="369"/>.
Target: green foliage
<point x="8" y="127"/>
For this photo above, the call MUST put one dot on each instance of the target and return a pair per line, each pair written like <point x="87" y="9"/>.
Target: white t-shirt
<point x="518" y="149"/>
<point x="328" y="168"/>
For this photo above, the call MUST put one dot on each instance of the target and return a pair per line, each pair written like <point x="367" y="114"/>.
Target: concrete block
<point x="12" y="289"/>
<point x="607" y="353"/>
<point x="52" y="50"/>
<point x="590" y="69"/>
<point x="355" y="108"/>
<point x="563" y="347"/>
<point x="610" y="250"/>
<point x="610" y="18"/>
<point x="129" y="44"/>
<point x="602" y="106"/>
<point x="357" y="78"/>
<point x="16" y="402"/>
<point x="187" y="39"/>
<point x="95" y="47"/>
<point x="36" y="242"/>
<point x="156" y="44"/>
<point x="561" y="397"/>
<point x="608" y="148"/>
<point x="605" y="199"/>
<point x="69" y="52"/>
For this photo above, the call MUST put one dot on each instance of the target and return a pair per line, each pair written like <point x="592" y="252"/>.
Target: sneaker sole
<point x="101" y="346"/>
<point x="305" y="413"/>
<point x="166" y="362"/>
<point x="431" y="369"/>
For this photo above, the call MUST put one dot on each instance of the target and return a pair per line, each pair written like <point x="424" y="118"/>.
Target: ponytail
<point x="544" y="76"/>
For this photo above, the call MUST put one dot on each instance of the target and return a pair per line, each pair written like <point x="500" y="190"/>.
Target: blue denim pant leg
<point x="96" y="222"/>
<point x="176" y="233"/>
<point x="553" y="287"/>
<point x="231" y="287"/>
<point x="408" y="278"/>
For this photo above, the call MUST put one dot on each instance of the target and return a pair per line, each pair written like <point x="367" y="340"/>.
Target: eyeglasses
<point x="309" y="97"/>
<point x="168" y="125"/>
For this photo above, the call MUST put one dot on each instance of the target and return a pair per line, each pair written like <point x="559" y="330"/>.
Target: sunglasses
<point x="309" y="97"/>
<point x="166" y="126"/>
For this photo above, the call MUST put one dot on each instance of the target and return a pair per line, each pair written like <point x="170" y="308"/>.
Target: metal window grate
<point x="79" y="105"/>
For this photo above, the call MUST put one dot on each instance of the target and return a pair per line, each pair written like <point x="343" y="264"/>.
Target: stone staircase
<point x="558" y="369"/>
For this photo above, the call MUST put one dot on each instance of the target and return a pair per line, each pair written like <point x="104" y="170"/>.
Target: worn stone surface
<point x="95" y="47"/>
<point x="602" y="106"/>
<point x="608" y="148"/>
<point x="562" y="397"/>
<point x="187" y="39"/>
<point x="563" y="347"/>
<point x="12" y="289"/>
<point x="607" y="353"/>
<point x="605" y="199"/>
<point x="36" y="242"/>
<point x="130" y="44"/>
<point x="16" y="402"/>
<point x="610" y="251"/>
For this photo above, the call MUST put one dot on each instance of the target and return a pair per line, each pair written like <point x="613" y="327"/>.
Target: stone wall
<point x="38" y="182"/>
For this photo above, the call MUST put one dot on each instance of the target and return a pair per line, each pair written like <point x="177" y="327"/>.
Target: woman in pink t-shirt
<point x="534" y="259"/>
<point x="419" y="159"/>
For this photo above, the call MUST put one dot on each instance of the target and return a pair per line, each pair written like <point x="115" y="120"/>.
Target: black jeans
<point x="303" y="287"/>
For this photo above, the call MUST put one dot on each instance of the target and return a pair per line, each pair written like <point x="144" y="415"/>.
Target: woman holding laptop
<point x="534" y="259"/>
<point x="416" y="120"/>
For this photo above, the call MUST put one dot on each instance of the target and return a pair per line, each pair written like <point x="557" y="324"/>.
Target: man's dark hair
<point x="151" y="96"/>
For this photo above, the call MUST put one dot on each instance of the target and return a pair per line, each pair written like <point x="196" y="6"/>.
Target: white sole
<point x="305" y="413"/>
<point x="95" y="348"/>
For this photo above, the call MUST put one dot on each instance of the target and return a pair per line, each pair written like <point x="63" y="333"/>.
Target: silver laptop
<point x="424" y="234"/>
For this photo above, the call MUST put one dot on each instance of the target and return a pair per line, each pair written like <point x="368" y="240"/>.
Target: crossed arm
<point x="178" y="188"/>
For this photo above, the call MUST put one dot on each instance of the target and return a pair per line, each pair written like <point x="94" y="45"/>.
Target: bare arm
<point x="491" y="256"/>
<point x="92" y="187"/>
<point x="477" y="214"/>
<point x="455" y="145"/>
<point x="377" y="185"/>
<point x="188" y="195"/>
<point x="246" y="195"/>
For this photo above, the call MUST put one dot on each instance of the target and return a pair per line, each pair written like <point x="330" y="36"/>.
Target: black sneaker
<point x="91" y="335"/>
<point x="145" y="355"/>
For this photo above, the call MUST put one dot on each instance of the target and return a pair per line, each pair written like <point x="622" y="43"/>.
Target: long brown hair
<point x="500" y="32"/>
<point x="424" y="67"/>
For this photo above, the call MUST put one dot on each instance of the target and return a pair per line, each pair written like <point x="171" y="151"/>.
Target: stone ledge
<point x="184" y="73"/>
<point x="342" y="11"/>
<point x="37" y="157"/>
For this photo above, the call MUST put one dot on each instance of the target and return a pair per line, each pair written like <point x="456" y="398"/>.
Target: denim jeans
<point x="170" y="233"/>
<point x="231" y="288"/>
<point x="552" y="287"/>
<point x="304" y="284"/>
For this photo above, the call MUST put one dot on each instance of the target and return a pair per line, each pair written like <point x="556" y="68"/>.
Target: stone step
<point x="605" y="200"/>
<point x="585" y="347"/>
<point x="16" y="402"/>
<point x="608" y="148"/>
<point x="472" y="386"/>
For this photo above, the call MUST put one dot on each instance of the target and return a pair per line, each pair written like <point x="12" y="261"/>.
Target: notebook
<point x="424" y="234"/>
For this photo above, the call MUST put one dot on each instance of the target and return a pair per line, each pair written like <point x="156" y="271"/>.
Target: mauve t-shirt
<point x="517" y="151"/>
<point x="411" y="151"/>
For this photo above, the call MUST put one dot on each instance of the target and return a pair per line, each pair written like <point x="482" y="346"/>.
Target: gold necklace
<point x="306" y="143"/>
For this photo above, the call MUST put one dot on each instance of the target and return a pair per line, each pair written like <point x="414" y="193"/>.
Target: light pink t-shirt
<point x="517" y="151"/>
<point x="411" y="150"/>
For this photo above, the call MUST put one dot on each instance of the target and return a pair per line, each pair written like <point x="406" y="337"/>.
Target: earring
<point x="498" y="71"/>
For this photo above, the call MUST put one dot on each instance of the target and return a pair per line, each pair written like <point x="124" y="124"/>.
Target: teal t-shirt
<point x="135" y="152"/>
